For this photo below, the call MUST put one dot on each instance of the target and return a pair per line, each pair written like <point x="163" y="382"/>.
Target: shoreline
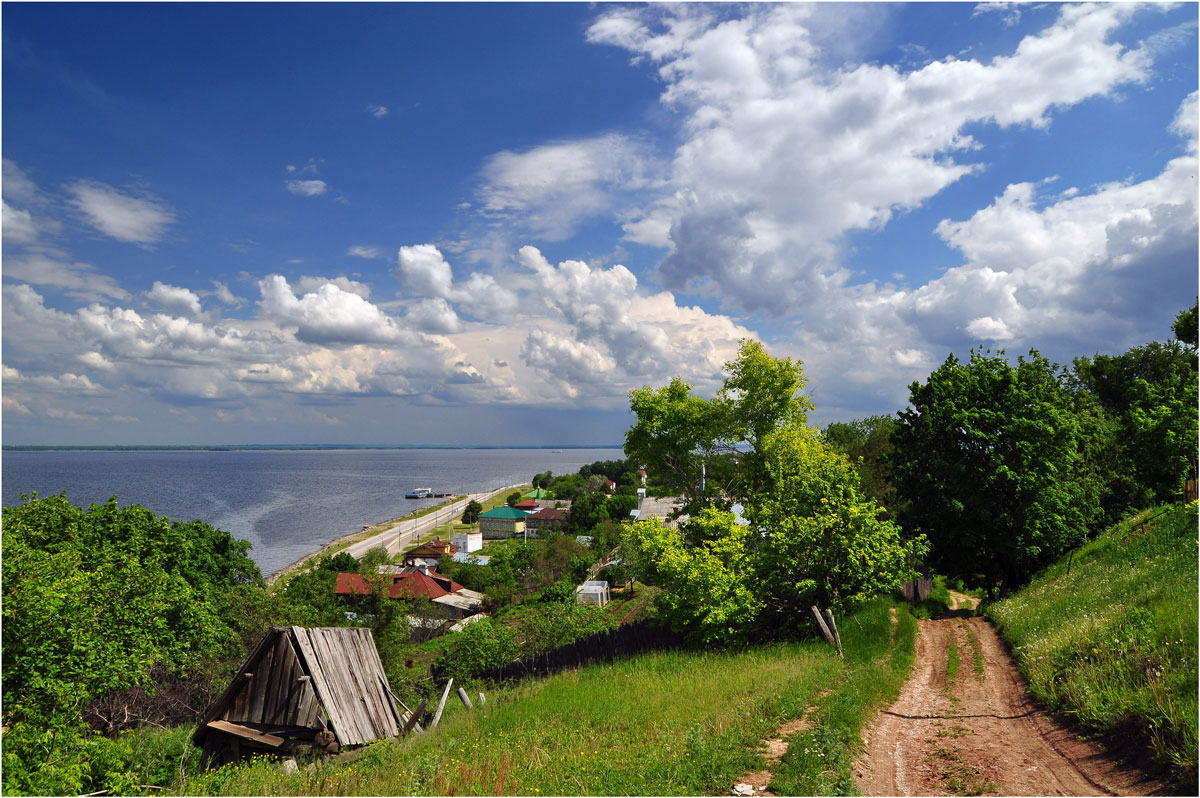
<point x="350" y="537"/>
<point x="383" y="527"/>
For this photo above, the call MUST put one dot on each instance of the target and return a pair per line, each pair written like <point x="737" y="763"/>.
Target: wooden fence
<point x="917" y="590"/>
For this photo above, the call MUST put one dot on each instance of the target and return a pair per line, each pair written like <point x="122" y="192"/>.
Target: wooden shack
<point x="302" y="690"/>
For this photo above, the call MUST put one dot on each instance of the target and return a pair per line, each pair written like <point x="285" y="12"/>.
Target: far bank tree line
<point x="993" y="470"/>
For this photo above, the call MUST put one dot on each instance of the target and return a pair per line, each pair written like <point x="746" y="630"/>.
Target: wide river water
<point x="286" y="503"/>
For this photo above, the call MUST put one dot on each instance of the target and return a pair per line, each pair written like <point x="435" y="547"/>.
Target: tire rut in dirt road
<point x="979" y="733"/>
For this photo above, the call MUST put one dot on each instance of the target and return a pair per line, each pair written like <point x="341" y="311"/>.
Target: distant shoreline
<point x="292" y="447"/>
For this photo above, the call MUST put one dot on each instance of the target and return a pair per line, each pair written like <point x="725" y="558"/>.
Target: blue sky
<point x="485" y="223"/>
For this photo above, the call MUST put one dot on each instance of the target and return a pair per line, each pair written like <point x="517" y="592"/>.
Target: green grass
<point x="1114" y="643"/>
<point x="952" y="662"/>
<point x="976" y="651"/>
<point x="673" y="723"/>
<point x="819" y="760"/>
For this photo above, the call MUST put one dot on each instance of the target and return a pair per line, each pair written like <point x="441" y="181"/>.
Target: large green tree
<point x="708" y="589"/>
<point x="711" y="450"/>
<point x="868" y="444"/>
<point x="990" y="460"/>
<point x="1149" y="396"/>
<point x="822" y="541"/>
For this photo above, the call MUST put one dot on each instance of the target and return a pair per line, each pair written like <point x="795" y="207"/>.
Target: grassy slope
<point x="1115" y="642"/>
<point x="671" y="723"/>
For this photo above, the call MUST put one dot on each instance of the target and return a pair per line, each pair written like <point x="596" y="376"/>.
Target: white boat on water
<point x="419" y="493"/>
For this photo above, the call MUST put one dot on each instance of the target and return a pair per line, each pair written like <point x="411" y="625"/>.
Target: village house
<point x="467" y="542"/>
<point x="429" y="554"/>
<point x="502" y="522"/>
<point x="418" y="582"/>
<point x="546" y="520"/>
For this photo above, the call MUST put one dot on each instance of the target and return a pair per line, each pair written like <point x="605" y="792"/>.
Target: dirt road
<point x="963" y="725"/>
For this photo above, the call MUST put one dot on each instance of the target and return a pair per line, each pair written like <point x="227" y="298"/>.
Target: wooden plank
<point x="376" y="664"/>
<point x="257" y="694"/>
<point x="833" y="624"/>
<point x="306" y="708"/>
<point x="282" y="685"/>
<point x="246" y="733"/>
<point x="271" y="684"/>
<point x="312" y="665"/>
<point x="413" y="720"/>
<point x="323" y="693"/>
<point x="295" y="684"/>
<point x="231" y="691"/>
<point x="392" y="705"/>
<point x="335" y="697"/>
<point x="237" y="709"/>
<point x="441" y="705"/>
<point x="376" y="692"/>
<point x="821" y="623"/>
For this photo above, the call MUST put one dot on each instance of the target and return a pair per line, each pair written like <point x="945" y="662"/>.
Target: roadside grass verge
<point x="667" y="723"/>
<point x="1114" y="643"/>
<point x="820" y="760"/>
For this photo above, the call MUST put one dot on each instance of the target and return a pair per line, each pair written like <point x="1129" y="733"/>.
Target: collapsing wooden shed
<point x="302" y="690"/>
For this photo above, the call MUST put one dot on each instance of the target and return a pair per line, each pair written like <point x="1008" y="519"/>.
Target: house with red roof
<point x="416" y="582"/>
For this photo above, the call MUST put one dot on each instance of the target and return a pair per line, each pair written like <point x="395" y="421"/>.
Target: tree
<point x="93" y="601"/>
<point x="586" y="511"/>
<point x="513" y="498"/>
<point x="710" y="450"/>
<point x="868" y="443"/>
<point x="705" y="590"/>
<point x="988" y="458"/>
<point x="471" y="512"/>
<point x="1149" y="393"/>
<point x="822" y="542"/>
<point x="1185" y="326"/>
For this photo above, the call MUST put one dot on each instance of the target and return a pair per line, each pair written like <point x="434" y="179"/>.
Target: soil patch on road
<point x="964" y="725"/>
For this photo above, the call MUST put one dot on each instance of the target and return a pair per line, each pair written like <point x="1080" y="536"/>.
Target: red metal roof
<point x="412" y="584"/>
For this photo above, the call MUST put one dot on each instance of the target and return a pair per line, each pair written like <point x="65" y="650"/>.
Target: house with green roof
<point x="502" y="522"/>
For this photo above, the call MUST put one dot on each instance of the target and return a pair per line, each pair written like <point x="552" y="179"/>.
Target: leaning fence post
<point x="441" y="705"/>
<point x="821" y="623"/>
<point x="462" y="694"/>
<point x="837" y="639"/>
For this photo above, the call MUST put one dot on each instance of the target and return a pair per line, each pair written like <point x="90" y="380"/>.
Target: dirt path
<point x="963" y="725"/>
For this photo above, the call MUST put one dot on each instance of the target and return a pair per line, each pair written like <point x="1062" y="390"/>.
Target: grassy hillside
<point x="675" y="723"/>
<point x="1114" y="642"/>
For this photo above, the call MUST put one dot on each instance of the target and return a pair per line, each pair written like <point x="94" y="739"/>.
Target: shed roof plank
<point x="257" y="682"/>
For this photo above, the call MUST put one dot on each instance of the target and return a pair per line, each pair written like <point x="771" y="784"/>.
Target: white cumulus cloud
<point x="173" y="297"/>
<point x="782" y="157"/>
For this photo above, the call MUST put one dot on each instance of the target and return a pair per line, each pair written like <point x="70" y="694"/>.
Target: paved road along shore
<point x="400" y="533"/>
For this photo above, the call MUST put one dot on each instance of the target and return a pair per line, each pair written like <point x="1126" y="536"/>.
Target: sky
<point x="486" y="223"/>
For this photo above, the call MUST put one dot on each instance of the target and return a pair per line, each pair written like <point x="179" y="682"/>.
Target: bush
<point x="481" y="645"/>
<point x="559" y="592"/>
